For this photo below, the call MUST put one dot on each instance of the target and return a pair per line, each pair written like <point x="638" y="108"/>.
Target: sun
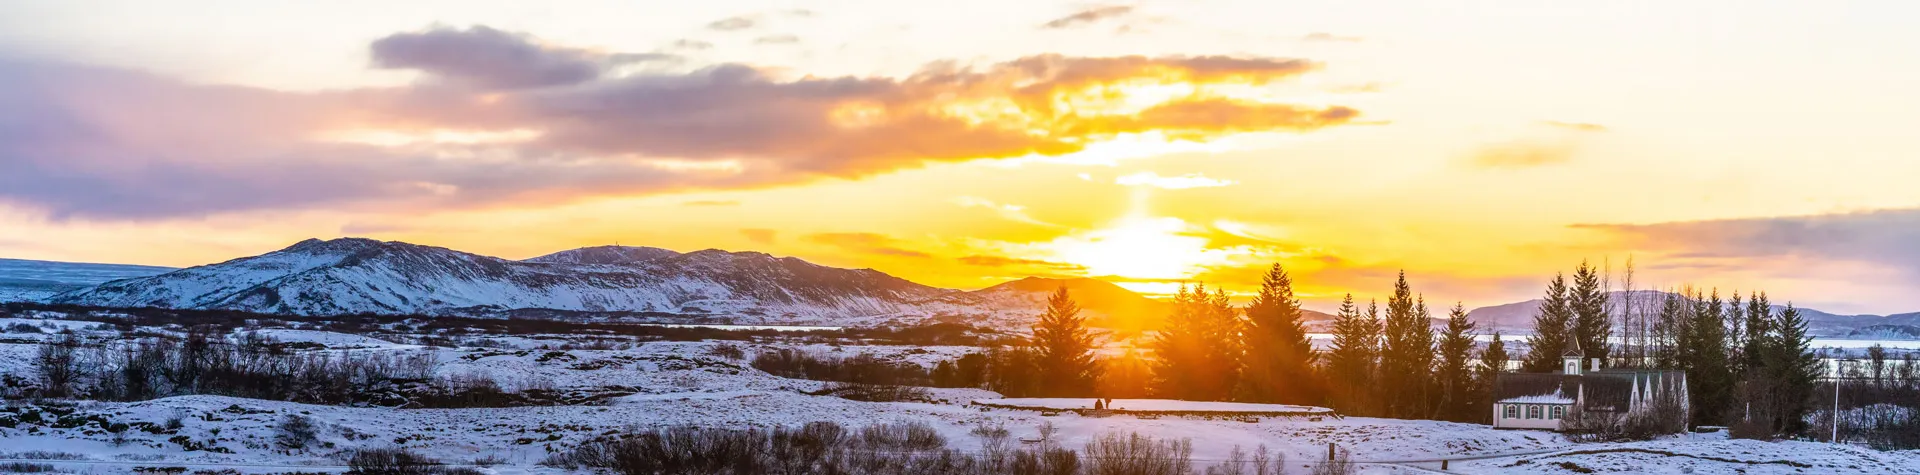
<point x="1138" y="247"/>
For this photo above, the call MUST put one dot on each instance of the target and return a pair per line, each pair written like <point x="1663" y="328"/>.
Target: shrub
<point x="394" y="461"/>
<point x="875" y="393"/>
<point x="728" y="350"/>
<point x="1135" y="454"/>
<point x="295" y="432"/>
<point x="24" y="467"/>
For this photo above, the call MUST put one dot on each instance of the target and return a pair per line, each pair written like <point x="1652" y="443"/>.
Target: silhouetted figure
<point x="1099" y="405"/>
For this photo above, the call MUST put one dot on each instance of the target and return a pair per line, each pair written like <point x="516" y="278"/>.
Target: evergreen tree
<point x="1710" y="379"/>
<point x="1794" y="369"/>
<point x="1197" y="355"/>
<point x="1125" y="377"/>
<point x="1064" y="349"/>
<point x="1350" y="361"/>
<point x="1493" y="361"/>
<point x="1587" y="305"/>
<point x="1456" y="378"/>
<point x="1406" y="358"/>
<point x="1550" y="337"/>
<point x="1759" y="325"/>
<point x="1279" y="357"/>
<point x="1736" y="315"/>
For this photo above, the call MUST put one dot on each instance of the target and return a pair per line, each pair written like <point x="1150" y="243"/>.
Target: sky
<point x="1479" y="146"/>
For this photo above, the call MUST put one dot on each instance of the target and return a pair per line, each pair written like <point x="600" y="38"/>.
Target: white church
<point x="1542" y="400"/>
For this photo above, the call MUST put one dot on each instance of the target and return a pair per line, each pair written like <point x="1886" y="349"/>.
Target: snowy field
<point x="687" y="383"/>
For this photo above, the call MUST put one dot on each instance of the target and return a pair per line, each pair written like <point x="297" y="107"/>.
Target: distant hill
<point x="28" y="280"/>
<point x="1517" y="317"/>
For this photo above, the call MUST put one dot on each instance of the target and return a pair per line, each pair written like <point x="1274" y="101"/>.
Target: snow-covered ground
<point x="685" y="383"/>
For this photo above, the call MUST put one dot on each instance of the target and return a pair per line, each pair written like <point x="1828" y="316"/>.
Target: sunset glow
<point x="1154" y="147"/>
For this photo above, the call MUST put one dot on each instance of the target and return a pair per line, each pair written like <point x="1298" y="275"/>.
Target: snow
<point x="1151" y="405"/>
<point x="328" y="339"/>
<point x="1555" y="398"/>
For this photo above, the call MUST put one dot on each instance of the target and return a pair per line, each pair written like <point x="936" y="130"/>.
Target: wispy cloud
<point x="711" y="203"/>
<point x="733" y="23"/>
<point x="760" y="236"/>
<point x="1522" y="154"/>
<point x="1575" y="126"/>
<point x="1089" y="16"/>
<point x="1182" y="182"/>
<point x="1003" y="261"/>
<point x="1330" y="37"/>
<point x="782" y="39"/>
<point x="1011" y="212"/>
<point x="866" y="243"/>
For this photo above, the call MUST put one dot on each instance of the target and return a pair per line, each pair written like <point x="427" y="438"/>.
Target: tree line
<point x="1748" y="364"/>
<point x="1381" y="363"/>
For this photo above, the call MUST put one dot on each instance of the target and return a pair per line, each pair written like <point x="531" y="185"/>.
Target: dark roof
<point x="1606" y="390"/>
<point x="1512" y="385"/>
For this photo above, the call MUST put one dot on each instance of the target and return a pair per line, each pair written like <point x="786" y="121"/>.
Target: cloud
<point x="866" y="243"/>
<point x="1089" y="16"/>
<point x="1883" y="237"/>
<point x="759" y="236"/>
<point x="487" y="57"/>
<point x="732" y="23"/>
<point x="1011" y="212"/>
<point x="691" y="44"/>
<point x="711" y="203"/>
<point x="782" y="39"/>
<point x="1330" y="37"/>
<point x="1002" y="261"/>
<point x="503" y="118"/>
<point x="1521" y="155"/>
<point x="1576" y="126"/>
<point x="1182" y="182"/>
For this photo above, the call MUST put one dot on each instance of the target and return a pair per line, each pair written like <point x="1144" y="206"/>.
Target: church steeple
<point x="1570" y="361"/>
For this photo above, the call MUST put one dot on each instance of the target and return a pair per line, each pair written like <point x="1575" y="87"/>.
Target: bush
<point x="398" y="462"/>
<point x="875" y="393"/>
<point x="728" y="351"/>
<point x="24" y="467"/>
<point x="1135" y="454"/>
<point x="295" y="432"/>
<point x="862" y="369"/>
<point x="22" y="328"/>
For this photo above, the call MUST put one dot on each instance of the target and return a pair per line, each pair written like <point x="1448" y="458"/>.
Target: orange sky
<point x="1480" y="146"/>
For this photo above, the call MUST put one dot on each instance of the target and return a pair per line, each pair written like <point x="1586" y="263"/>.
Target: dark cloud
<point x="759" y="236"/>
<point x="105" y="143"/>
<point x="1576" y="126"/>
<point x="866" y="243"/>
<point x="1330" y="37"/>
<point x="732" y="23"/>
<point x="1089" y="16"/>
<point x="486" y="57"/>
<point x="777" y="40"/>
<point x="1885" y="237"/>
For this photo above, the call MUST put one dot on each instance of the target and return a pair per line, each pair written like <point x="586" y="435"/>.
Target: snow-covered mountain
<point x="28" y="280"/>
<point x="317" y="277"/>
<point x="344" y="276"/>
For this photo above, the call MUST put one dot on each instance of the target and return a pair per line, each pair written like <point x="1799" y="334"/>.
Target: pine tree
<point x="1350" y="361"/>
<point x="1587" y="305"/>
<point x="1456" y="378"/>
<point x="1794" y="369"/>
<point x="1736" y="315"/>
<point x="1493" y="361"/>
<point x="1759" y="316"/>
<point x="1064" y="349"/>
<point x="1406" y="358"/>
<point x="1550" y="333"/>
<point x="1279" y="357"/>
<point x="1710" y="378"/>
<point x="1197" y="355"/>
